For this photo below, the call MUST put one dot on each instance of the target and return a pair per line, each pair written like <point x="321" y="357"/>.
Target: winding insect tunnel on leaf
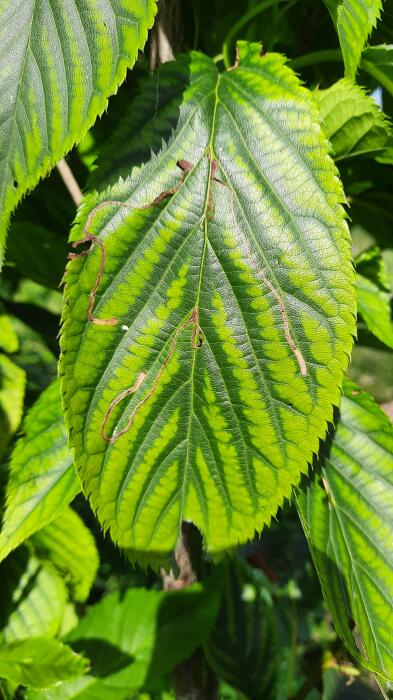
<point x="245" y="259"/>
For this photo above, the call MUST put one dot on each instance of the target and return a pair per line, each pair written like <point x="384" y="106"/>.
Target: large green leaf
<point x="243" y="648"/>
<point x="224" y="314"/>
<point x="134" y="638"/>
<point x="59" y="62"/>
<point x="70" y="546"/>
<point x="353" y="122"/>
<point x="33" y="599"/>
<point x="39" y="662"/>
<point x="354" y="20"/>
<point x="374" y="296"/>
<point x="12" y="391"/>
<point x="42" y="478"/>
<point x="347" y="514"/>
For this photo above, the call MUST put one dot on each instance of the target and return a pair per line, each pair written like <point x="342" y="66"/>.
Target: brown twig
<point x="70" y="182"/>
<point x="192" y="679"/>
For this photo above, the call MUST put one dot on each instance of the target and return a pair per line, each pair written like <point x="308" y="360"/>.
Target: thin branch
<point x="165" y="37"/>
<point x="70" y="182"/>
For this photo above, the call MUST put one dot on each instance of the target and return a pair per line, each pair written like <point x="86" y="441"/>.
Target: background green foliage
<point x="78" y="618"/>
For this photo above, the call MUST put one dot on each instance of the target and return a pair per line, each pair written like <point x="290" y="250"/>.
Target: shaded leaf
<point x="347" y="514"/>
<point x="42" y="478"/>
<point x="225" y="311"/>
<point x="378" y="62"/>
<point x="38" y="253"/>
<point x="46" y="107"/>
<point x="70" y="546"/>
<point x="39" y="662"/>
<point x="353" y="122"/>
<point x="354" y="20"/>
<point x="34" y="355"/>
<point x="12" y="391"/>
<point x="374" y="296"/>
<point x="137" y="637"/>
<point x="243" y="648"/>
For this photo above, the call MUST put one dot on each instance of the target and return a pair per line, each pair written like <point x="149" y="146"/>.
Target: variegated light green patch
<point x="59" y="62"/>
<point x="206" y="331"/>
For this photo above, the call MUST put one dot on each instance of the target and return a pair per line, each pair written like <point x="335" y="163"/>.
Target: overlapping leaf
<point x="33" y="598"/>
<point x="200" y="369"/>
<point x="59" y="62"/>
<point x="354" y="20"/>
<point x="374" y="295"/>
<point x="378" y="62"/>
<point x="347" y="513"/>
<point x="70" y="546"/>
<point x="42" y="478"/>
<point x="133" y="639"/>
<point x="353" y="122"/>
<point x="39" y="662"/>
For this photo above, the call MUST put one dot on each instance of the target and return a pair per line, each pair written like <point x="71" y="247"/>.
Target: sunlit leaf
<point x="353" y="122"/>
<point x="33" y="597"/>
<point x="59" y="62"/>
<point x="8" y="337"/>
<point x="42" y="479"/>
<point x="374" y="295"/>
<point x="347" y="514"/>
<point x="354" y="20"/>
<point x="12" y="391"/>
<point x="70" y="546"/>
<point x="134" y="638"/>
<point x="39" y="662"/>
<point x="201" y="374"/>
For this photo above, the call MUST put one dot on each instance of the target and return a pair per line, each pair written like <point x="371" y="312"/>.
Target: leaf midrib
<point x="209" y="189"/>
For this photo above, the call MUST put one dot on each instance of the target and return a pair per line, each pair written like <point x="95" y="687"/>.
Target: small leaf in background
<point x="33" y="597"/>
<point x="378" y="62"/>
<point x="374" y="295"/>
<point x="39" y="662"/>
<point x="200" y="376"/>
<point x="134" y="638"/>
<point x="70" y="546"/>
<point x="12" y="391"/>
<point x="46" y="107"/>
<point x="353" y="122"/>
<point x="347" y="514"/>
<point x="42" y="479"/>
<point x="354" y="20"/>
<point x="37" y="252"/>
<point x="8" y="338"/>
<point x="244" y="648"/>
